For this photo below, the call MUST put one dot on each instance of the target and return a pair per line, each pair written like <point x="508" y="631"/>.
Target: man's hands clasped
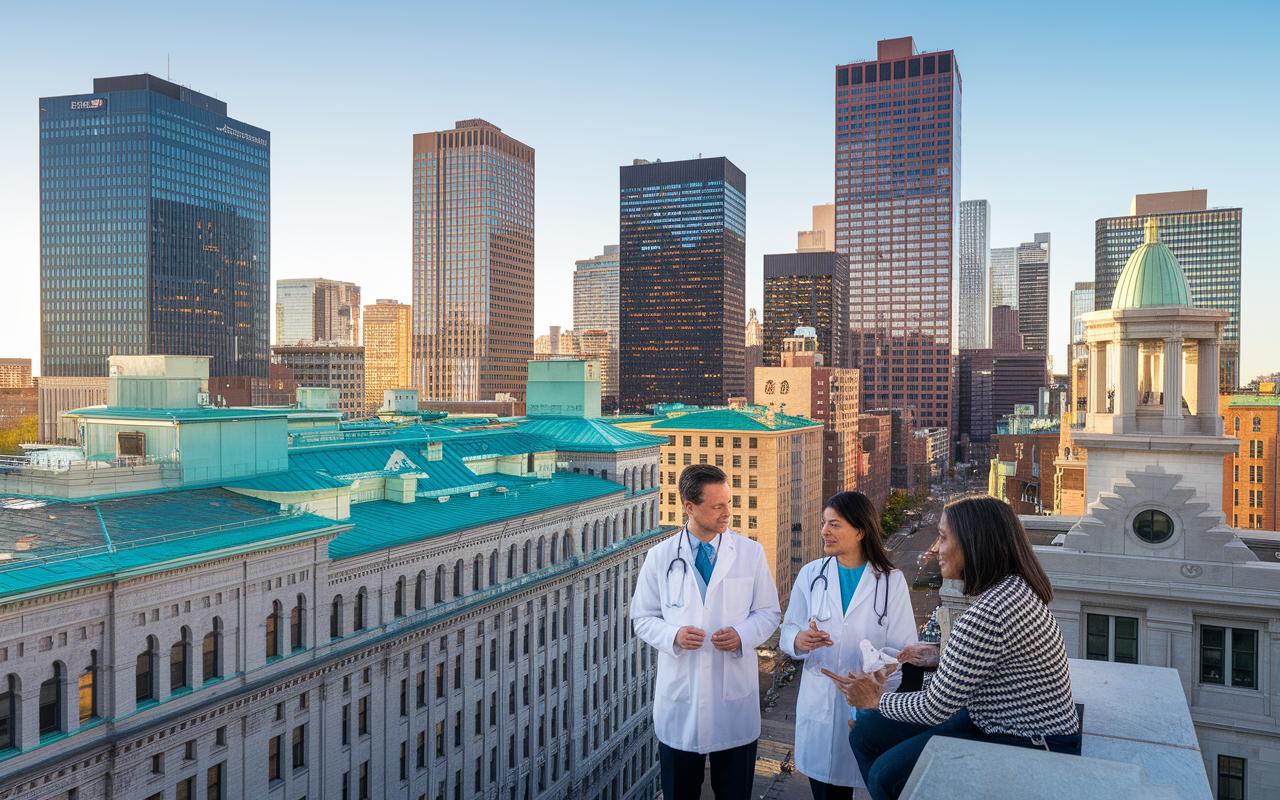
<point x="691" y="638"/>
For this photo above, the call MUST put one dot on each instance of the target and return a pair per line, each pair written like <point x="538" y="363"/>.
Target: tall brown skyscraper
<point x="897" y="196"/>
<point x="472" y="263"/>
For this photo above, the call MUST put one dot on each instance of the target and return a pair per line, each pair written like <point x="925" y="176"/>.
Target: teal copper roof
<point x="179" y="414"/>
<point x="498" y="443"/>
<point x="733" y="420"/>
<point x="59" y="543"/>
<point x="383" y="524"/>
<point x="1152" y="276"/>
<point x="589" y="435"/>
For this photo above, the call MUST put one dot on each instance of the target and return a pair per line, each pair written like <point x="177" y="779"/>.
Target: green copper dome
<point x="1152" y="276"/>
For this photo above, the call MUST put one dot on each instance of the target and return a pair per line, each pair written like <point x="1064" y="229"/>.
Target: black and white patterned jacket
<point x="1005" y="662"/>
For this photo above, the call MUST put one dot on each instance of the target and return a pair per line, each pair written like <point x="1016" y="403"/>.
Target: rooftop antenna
<point x="167" y="72"/>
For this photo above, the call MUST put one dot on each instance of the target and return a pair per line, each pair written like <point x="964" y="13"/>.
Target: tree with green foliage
<point x="12" y="436"/>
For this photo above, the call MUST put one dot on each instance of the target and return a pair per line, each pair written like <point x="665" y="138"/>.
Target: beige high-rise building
<point x="774" y="463"/>
<point x="387" y="328"/>
<point x="823" y="235"/>
<point x="802" y="387"/>
<point x="472" y="263"/>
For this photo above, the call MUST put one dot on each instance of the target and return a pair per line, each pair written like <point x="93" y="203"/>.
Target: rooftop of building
<point x="197" y="414"/>
<point x="47" y="543"/>
<point x="735" y="419"/>
<point x="1260" y="399"/>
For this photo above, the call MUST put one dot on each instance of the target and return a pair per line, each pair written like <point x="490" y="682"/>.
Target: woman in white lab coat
<point x="852" y="593"/>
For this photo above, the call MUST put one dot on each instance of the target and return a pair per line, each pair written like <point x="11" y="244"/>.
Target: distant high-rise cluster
<point x="1081" y="303"/>
<point x="595" y="314"/>
<point x="312" y="310"/>
<point x="897" y="191"/>
<point x="682" y="282"/>
<point x="472" y="262"/>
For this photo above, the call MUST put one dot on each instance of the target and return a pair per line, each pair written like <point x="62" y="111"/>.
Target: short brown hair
<point x="994" y="545"/>
<point x="695" y="477"/>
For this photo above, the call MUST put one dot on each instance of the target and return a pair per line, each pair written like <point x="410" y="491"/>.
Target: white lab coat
<point x="706" y="700"/>
<point x="822" y="715"/>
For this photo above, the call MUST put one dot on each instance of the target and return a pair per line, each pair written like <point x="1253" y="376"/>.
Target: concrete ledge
<point x="1139" y="741"/>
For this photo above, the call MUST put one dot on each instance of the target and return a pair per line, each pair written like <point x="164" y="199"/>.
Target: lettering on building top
<point x="97" y="103"/>
<point x="242" y="135"/>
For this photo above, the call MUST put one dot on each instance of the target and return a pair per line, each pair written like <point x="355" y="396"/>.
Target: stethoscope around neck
<point x="677" y="600"/>
<point x="819" y="604"/>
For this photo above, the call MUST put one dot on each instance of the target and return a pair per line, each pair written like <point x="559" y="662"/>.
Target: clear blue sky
<point x="1068" y="110"/>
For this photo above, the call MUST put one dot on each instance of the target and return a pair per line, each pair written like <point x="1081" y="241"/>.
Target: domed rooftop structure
<point x="1152" y="276"/>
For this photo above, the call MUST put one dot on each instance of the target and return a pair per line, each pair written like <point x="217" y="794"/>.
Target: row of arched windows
<point x="639" y="479"/>
<point x="54" y="690"/>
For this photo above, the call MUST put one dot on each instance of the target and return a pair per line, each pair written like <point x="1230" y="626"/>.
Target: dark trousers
<point x="827" y="791"/>
<point x="886" y="750"/>
<point x="732" y="772"/>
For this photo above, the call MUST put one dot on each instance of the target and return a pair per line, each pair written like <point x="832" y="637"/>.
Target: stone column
<point x="1207" y="388"/>
<point x="1127" y="388"/>
<point x="1172" y="424"/>
<point x="1096" y="391"/>
<point x="1190" y="376"/>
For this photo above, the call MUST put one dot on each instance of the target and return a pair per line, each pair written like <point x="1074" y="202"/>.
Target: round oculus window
<point x="1152" y="526"/>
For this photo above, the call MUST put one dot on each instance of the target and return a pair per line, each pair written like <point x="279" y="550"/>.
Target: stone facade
<point x="479" y="663"/>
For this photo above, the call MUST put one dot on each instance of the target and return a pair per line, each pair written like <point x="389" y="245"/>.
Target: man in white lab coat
<point x="705" y="601"/>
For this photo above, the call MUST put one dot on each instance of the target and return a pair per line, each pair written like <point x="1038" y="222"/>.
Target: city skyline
<point x="576" y="178"/>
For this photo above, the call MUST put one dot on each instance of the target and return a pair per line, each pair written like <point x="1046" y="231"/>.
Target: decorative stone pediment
<point x="1199" y="531"/>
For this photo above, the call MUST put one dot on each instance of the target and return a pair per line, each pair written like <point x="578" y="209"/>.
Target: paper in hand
<point x="873" y="659"/>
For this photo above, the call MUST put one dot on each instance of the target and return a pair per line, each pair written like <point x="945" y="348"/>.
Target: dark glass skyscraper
<point x="682" y="283"/>
<point x="155" y="236"/>
<point x="807" y="290"/>
<point x="1033" y="293"/>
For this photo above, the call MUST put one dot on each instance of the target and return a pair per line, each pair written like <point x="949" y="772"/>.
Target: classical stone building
<point x="1153" y="573"/>
<point x="322" y="610"/>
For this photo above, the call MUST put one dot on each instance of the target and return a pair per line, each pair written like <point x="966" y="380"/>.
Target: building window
<point x="273" y="759"/>
<point x="1152" y="526"/>
<point x="178" y="663"/>
<point x="1111" y="638"/>
<point x="335" y="618"/>
<point x="751" y="523"/>
<point x="213" y="782"/>
<point x="1230" y="778"/>
<point x="1229" y="656"/>
<point x="299" y="746"/>
<point x="88" y="692"/>
<point x="144" y="677"/>
<point x="358" y="618"/>
<point x="51" y="702"/>
<point x="210" y="652"/>
<point x="273" y="631"/>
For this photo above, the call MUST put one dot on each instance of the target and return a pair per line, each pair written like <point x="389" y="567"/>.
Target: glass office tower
<point x="1081" y="303"/>
<point x="682" y="283"/>
<point x="808" y="290"/>
<point x="472" y="263"/>
<point x="1206" y="243"/>
<point x="975" y="289"/>
<point x="897" y="192"/>
<point x="155" y="211"/>
<point x="1033" y="293"/>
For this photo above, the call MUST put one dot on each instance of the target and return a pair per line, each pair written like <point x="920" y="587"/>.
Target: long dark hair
<point x="994" y="545"/>
<point x="858" y="510"/>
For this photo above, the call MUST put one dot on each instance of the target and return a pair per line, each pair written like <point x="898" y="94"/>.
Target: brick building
<point x="1249" y="479"/>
